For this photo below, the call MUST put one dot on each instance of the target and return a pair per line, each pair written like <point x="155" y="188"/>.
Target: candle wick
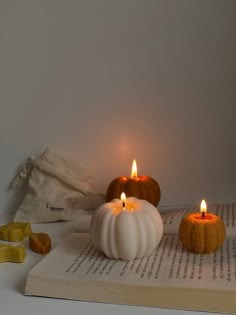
<point x="123" y="204"/>
<point x="203" y="214"/>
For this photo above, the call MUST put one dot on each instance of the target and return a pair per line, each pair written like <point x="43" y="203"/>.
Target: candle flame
<point x="123" y="199"/>
<point x="134" y="172"/>
<point x="203" y="208"/>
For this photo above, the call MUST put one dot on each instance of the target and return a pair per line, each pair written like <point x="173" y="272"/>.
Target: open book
<point x="170" y="277"/>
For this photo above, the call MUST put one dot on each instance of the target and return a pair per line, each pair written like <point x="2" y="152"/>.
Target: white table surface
<point x="13" y="276"/>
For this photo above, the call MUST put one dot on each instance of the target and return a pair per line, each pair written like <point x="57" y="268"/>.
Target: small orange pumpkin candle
<point x="142" y="187"/>
<point x="202" y="232"/>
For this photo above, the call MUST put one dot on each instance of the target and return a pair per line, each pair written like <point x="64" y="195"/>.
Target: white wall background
<point x="105" y="81"/>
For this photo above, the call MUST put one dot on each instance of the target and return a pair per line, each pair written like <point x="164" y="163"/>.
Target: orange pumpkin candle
<point x="142" y="187"/>
<point x="202" y="232"/>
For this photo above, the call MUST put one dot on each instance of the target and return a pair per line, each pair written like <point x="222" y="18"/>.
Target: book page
<point x="227" y="212"/>
<point x="169" y="265"/>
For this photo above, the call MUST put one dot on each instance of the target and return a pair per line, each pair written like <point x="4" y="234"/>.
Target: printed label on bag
<point x="59" y="209"/>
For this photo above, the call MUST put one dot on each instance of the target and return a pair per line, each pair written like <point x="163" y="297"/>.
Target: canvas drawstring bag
<point x="56" y="189"/>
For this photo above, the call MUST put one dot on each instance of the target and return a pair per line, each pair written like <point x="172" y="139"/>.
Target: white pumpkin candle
<point x="126" y="229"/>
